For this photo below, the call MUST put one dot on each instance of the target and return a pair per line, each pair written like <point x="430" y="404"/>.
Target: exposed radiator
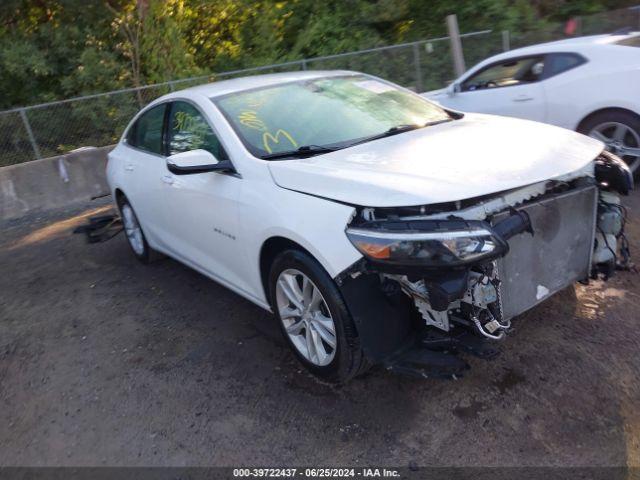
<point x="558" y="254"/>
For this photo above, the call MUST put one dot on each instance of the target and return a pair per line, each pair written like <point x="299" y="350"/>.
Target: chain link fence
<point x="51" y="129"/>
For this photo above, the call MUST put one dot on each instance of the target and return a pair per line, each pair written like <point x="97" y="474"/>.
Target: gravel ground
<point x="105" y="361"/>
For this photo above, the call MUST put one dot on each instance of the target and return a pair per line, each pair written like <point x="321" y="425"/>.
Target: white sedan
<point x="588" y="84"/>
<point x="376" y="226"/>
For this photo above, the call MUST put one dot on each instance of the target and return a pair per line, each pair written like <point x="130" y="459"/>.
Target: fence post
<point x="506" y="41"/>
<point x="416" y="62"/>
<point x="32" y="139"/>
<point x="456" y="45"/>
<point x="304" y="64"/>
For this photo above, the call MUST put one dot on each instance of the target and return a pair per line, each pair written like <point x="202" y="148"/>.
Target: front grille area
<point x="557" y="255"/>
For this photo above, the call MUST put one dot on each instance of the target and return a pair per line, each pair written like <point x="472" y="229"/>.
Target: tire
<point x="341" y="363"/>
<point x="620" y="131"/>
<point x="136" y="239"/>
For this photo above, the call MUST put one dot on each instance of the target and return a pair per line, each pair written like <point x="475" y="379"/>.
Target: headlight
<point x="444" y="247"/>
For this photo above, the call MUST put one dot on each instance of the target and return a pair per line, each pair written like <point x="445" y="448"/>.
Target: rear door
<point x="144" y="165"/>
<point x="509" y="87"/>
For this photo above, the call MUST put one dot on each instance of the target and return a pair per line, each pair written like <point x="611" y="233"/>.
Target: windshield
<point x="330" y="112"/>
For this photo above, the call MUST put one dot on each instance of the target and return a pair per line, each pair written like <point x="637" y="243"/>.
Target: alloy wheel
<point x="621" y="140"/>
<point x="306" y="317"/>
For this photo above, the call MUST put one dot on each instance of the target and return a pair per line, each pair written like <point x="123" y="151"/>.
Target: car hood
<point x="474" y="156"/>
<point x="434" y="93"/>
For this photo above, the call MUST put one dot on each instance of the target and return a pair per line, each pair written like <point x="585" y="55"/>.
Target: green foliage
<point x="55" y="49"/>
<point x="61" y="48"/>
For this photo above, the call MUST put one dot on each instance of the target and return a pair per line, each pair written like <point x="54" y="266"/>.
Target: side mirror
<point x="453" y="88"/>
<point x="197" y="161"/>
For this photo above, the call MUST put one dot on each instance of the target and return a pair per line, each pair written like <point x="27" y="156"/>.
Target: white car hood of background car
<point x="457" y="160"/>
<point x="435" y="95"/>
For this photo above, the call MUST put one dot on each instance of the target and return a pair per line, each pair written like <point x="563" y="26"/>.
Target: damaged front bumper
<point x="417" y="304"/>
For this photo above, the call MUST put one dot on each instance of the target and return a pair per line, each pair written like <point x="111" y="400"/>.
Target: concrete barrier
<point x="53" y="182"/>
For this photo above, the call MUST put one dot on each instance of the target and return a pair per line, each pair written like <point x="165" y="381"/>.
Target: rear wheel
<point x="313" y="317"/>
<point x="620" y="132"/>
<point x="133" y="231"/>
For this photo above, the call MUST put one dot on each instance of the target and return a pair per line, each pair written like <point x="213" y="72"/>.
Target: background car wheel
<point x="133" y="232"/>
<point x="620" y="132"/>
<point x="313" y="317"/>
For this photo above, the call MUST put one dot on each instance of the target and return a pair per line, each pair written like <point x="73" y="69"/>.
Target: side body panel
<point x="519" y="101"/>
<point x="316" y="224"/>
<point x="610" y="79"/>
<point x="234" y="215"/>
<point x="201" y="223"/>
<point x="138" y="174"/>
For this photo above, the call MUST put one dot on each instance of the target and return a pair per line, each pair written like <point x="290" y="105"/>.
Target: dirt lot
<point x="104" y="361"/>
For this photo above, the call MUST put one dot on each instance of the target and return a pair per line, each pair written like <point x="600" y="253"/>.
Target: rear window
<point x="562" y="62"/>
<point x="146" y="133"/>
<point x="630" y="42"/>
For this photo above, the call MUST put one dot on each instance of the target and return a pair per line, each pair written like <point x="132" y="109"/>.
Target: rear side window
<point x="562" y="62"/>
<point x="188" y="130"/>
<point x="506" y="74"/>
<point x="146" y="133"/>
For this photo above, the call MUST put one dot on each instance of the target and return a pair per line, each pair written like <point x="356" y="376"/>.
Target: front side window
<point x="146" y="133"/>
<point x="506" y="74"/>
<point x="328" y="112"/>
<point x="188" y="130"/>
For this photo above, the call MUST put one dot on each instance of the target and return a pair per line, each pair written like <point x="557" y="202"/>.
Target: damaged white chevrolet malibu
<point x="378" y="227"/>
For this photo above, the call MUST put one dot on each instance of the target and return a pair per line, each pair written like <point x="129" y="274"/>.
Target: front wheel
<point x="313" y="317"/>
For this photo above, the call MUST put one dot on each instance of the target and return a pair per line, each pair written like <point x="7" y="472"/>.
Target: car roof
<point x="234" y="85"/>
<point x="576" y="44"/>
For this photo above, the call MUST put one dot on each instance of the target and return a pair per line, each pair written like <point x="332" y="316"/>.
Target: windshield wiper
<point x="310" y="150"/>
<point x="399" y="129"/>
<point x="438" y="122"/>
<point x="304" y="151"/>
<point x="392" y="131"/>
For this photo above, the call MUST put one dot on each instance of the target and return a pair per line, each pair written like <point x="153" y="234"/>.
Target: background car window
<point x="188" y="130"/>
<point x="506" y="74"/>
<point x="146" y="133"/>
<point x="630" y="42"/>
<point x="561" y="62"/>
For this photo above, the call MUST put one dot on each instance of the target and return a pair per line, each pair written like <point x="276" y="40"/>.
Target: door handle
<point x="129" y="167"/>
<point x="522" y="98"/>
<point x="168" y="179"/>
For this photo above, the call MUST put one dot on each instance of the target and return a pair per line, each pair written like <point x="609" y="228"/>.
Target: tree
<point x="62" y="48"/>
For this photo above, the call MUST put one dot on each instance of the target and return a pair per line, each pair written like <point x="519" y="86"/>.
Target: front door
<point x="201" y="210"/>
<point x="510" y="87"/>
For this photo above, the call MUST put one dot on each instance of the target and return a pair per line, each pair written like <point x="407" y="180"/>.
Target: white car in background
<point x="587" y="84"/>
<point x="376" y="226"/>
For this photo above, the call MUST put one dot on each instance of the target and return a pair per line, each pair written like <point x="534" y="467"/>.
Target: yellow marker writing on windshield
<point x="268" y="139"/>
<point x="249" y="118"/>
